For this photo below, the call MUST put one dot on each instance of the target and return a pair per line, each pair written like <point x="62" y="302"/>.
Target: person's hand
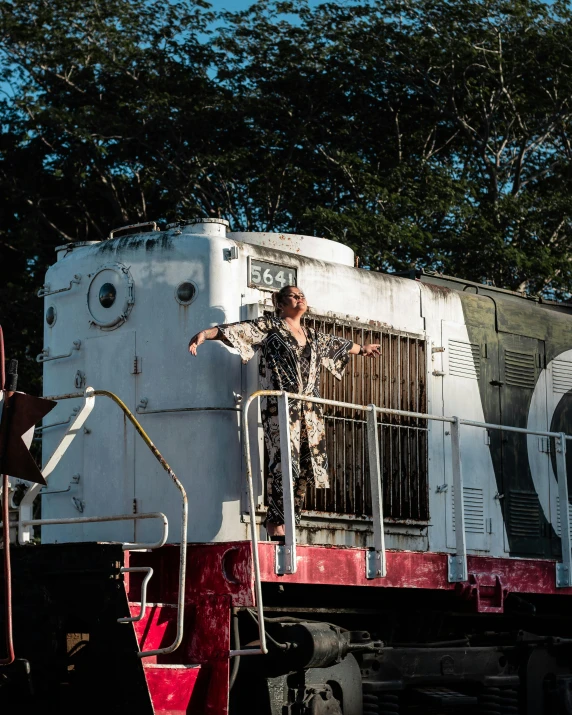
<point x="195" y="341"/>
<point x="371" y="350"/>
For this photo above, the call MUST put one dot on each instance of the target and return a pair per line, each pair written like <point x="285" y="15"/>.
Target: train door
<point x="109" y="445"/>
<point x="467" y="365"/>
<point x="520" y="362"/>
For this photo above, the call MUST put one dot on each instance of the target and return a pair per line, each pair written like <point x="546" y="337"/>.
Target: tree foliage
<point x="434" y="133"/>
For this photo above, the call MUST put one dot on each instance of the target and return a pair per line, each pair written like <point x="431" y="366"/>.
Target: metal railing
<point x="26" y="522"/>
<point x="376" y="563"/>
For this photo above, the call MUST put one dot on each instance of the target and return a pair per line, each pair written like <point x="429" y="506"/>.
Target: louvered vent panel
<point x="464" y="359"/>
<point x="524" y="517"/>
<point x="474" y="508"/>
<point x="558" y="522"/>
<point x="520" y="369"/>
<point x="561" y="376"/>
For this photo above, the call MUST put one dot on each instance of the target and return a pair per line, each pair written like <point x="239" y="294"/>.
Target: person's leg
<point x="275" y="514"/>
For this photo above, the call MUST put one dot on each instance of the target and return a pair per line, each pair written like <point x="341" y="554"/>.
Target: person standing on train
<point x="291" y="356"/>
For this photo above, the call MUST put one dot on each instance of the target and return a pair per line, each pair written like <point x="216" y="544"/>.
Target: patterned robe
<point x="285" y="365"/>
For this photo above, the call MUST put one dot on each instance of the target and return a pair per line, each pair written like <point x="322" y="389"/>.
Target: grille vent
<point x="464" y="359"/>
<point x="474" y="508"/>
<point x="561" y="376"/>
<point x="524" y="517"/>
<point x="520" y="369"/>
<point x="397" y="381"/>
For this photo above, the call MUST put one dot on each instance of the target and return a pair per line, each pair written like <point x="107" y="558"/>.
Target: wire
<point x="282" y="646"/>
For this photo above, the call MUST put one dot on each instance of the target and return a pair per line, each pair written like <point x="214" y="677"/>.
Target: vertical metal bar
<point x="253" y="529"/>
<point x="286" y="555"/>
<point x="563" y="570"/>
<point x="458" y="561"/>
<point x="375" y="560"/>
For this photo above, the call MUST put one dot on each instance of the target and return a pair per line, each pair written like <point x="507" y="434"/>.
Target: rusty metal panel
<point x="398" y="381"/>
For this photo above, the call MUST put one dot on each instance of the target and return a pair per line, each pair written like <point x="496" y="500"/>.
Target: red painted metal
<point x="173" y="688"/>
<point x="485" y="590"/>
<point x="219" y="577"/>
<point x="333" y="566"/>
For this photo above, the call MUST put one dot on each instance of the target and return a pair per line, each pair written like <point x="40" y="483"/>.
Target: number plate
<point x="270" y="276"/>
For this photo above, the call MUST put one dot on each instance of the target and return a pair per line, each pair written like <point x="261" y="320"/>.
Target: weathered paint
<point x="433" y="315"/>
<point x="172" y="688"/>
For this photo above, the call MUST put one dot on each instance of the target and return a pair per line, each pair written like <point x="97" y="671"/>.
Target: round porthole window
<point x="110" y="296"/>
<point x="185" y="292"/>
<point x="107" y="295"/>
<point x="51" y="316"/>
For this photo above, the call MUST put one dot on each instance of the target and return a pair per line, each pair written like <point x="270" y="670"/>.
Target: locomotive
<point x="435" y="572"/>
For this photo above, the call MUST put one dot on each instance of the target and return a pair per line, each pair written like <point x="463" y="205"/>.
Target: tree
<point x="434" y="133"/>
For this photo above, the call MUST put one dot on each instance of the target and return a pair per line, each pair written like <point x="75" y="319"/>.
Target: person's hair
<point x="278" y="298"/>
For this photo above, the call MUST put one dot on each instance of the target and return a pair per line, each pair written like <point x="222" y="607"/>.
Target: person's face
<point x="293" y="302"/>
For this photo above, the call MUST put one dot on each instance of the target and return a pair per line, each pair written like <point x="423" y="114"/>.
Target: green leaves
<point x="433" y="133"/>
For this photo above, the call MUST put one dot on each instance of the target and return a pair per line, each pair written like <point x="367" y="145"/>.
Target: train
<point x="434" y="574"/>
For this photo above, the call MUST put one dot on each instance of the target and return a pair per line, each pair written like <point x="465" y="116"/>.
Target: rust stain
<point x="438" y="290"/>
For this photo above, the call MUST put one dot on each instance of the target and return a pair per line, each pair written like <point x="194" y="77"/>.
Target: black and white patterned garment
<point x="285" y="365"/>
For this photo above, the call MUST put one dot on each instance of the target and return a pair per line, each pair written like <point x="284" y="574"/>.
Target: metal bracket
<point x="230" y="254"/>
<point x="563" y="579"/>
<point x="456" y="572"/>
<point x="284" y="562"/>
<point x="374" y="564"/>
<point x="486" y="591"/>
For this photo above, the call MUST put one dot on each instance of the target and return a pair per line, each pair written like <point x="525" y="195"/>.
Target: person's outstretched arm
<point x="365" y="350"/>
<point x="201" y="336"/>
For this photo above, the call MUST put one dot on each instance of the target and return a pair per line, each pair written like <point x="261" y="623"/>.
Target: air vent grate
<point x="520" y="369"/>
<point x="524" y="516"/>
<point x="464" y="359"/>
<point x="561" y="376"/>
<point x="474" y="508"/>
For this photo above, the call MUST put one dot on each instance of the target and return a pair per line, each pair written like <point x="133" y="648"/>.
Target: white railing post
<point x="563" y="570"/>
<point x="375" y="565"/>
<point x="458" y="561"/>
<point x="286" y="555"/>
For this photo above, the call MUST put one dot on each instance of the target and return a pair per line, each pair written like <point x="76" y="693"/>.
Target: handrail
<point x="148" y="571"/>
<point x="457" y="562"/>
<point x="115" y="517"/>
<point x="89" y="395"/>
<point x="184" y="518"/>
<point x="44" y="356"/>
<point x="45" y="289"/>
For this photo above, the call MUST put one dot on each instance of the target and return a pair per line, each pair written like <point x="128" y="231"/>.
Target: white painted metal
<point x="306" y="246"/>
<point x="458" y="561"/>
<point x="26" y="505"/>
<point x="191" y="403"/>
<point x="375" y="560"/>
<point x="564" y="569"/>
<point x="286" y="555"/>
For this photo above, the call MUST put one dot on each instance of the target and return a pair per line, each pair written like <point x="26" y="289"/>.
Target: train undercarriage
<point x="333" y="649"/>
